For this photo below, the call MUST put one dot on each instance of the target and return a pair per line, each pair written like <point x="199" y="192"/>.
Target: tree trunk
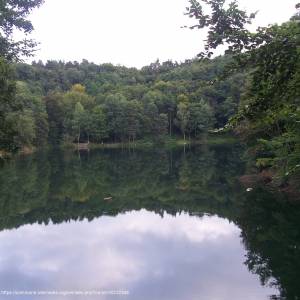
<point x="170" y="123"/>
<point x="78" y="137"/>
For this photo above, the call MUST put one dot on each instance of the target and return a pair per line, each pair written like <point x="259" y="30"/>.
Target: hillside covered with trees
<point x="252" y="90"/>
<point x="82" y="102"/>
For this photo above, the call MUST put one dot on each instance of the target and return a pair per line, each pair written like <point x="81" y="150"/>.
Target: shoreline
<point x="167" y="143"/>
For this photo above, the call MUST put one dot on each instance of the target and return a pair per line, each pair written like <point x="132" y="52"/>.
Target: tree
<point x="270" y="115"/>
<point x="78" y="88"/>
<point x="34" y="103"/>
<point x="56" y="116"/>
<point x="7" y="105"/>
<point x="76" y="105"/>
<point x="114" y="108"/>
<point x="201" y="117"/>
<point x="98" y="126"/>
<point x="161" y="126"/>
<point x="132" y="120"/>
<point x="183" y="114"/>
<point x="78" y="121"/>
<point x="14" y="15"/>
<point x="23" y="124"/>
<point x="225" y="23"/>
<point x="41" y="129"/>
<point x="75" y="95"/>
<point x="150" y="114"/>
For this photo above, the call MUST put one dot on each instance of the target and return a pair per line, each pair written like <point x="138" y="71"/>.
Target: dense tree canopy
<point x="85" y="102"/>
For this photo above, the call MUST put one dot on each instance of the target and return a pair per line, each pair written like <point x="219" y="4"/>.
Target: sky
<point x="133" y="33"/>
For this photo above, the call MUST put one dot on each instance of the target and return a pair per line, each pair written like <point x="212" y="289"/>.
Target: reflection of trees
<point x="271" y="234"/>
<point x="24" y="185"/>
<point x="61" y="186"/>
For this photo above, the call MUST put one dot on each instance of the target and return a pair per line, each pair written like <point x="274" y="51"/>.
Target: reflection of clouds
<point x="178" y="257"/>
<point x="208" y="229"/>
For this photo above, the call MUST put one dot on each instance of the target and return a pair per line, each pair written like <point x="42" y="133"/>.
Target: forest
<point x="85" y="102"/>
<point x="253" y="91"/>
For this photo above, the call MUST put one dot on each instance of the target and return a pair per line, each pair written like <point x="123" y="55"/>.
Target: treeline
<point x="81" y="102"/>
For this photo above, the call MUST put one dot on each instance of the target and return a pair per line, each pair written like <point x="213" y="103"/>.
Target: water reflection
<point x="62" y="186"/>
<point x="152" y="257"/>
<point x="162" y="224"/>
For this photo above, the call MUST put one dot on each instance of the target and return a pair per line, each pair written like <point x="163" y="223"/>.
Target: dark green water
<point x="157" y="224"/>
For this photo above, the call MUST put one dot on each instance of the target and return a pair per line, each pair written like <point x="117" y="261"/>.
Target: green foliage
<point x="24" y="126"/>
<point x="225" y="23"/>
<point x="201" y="117"/>
<point x="7" y="105"/>
<point x="35" y="107"/>
<point x="97" y="124"/>
<point x="78" y="120"/>
<point x="21" y="123"/>
<point x="126" y="105"/>
<point x="14" y="15"/>
<point x="183" y="116"/>
<point x="56" y="115"/>
<point x="82" y="102"/>
<point x="272" y="109"/>
<point x="268" y="117"/>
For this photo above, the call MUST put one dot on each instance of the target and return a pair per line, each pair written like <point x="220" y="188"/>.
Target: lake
<point x="144" y="224"/>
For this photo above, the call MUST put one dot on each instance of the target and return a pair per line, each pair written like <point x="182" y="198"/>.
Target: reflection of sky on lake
<point x="154" y="258"/>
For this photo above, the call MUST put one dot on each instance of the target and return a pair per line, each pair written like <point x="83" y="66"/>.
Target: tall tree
<point x="78" y="121"/>
<point x="98" y="126"/>
<point x="133" y="116"/>
<point x="183" y="114"/>
<point x="56" y="116"/>
<point x="201" y="118"/>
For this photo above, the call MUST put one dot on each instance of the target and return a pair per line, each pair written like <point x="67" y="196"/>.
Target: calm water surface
<point x="159" y="224"/>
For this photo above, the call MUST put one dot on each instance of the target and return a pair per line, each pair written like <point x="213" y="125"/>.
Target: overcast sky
<point x="129" y="32"/>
